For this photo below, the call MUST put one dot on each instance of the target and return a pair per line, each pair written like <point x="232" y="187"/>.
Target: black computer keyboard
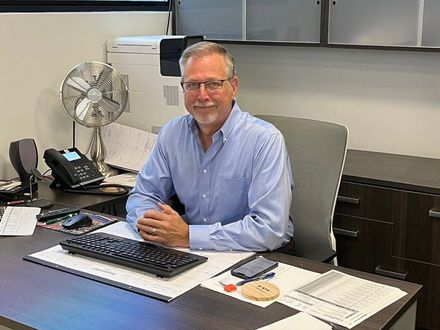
<point x="164" y="262"/>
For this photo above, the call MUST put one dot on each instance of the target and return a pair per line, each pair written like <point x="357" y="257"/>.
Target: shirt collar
<point x="232" y="120"/>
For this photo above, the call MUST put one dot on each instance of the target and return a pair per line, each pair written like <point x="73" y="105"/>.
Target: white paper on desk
<point x="299" y="321"/>
<point x="341" y="298"/>
<point x="19" y="221"/>
<point x="127" y="147"/>
<point x="162" y="288"/>
<point x="125" y="179"/>
<point x="286" y="278"/>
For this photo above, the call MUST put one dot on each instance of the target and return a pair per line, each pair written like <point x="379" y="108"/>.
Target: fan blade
<point x="79" y="84"/>
<point x="109" y="104"/>
<point x="105" y="79"/>
<point x="82" y="108"/>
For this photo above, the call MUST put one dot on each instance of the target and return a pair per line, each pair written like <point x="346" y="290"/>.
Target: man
<point x="230" y="170"/>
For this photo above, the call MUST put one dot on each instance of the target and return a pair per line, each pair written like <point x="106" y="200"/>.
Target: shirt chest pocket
<point x="232" y="194"/>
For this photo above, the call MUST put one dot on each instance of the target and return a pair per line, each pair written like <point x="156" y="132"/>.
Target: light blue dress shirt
<point x="237" y="195"/>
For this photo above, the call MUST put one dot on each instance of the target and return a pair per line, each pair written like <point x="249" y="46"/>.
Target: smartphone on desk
<point x="255" y="267"/>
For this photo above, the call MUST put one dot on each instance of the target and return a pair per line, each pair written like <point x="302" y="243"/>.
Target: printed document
<point x="127" y="148"/>
<point x="18" y="221"/>
<point x="125" y="179"/>
<point x="341" y="298"/>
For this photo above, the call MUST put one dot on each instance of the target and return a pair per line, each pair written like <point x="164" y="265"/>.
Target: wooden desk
<point x="35" y="296"/>
<point x="110" y="204"/>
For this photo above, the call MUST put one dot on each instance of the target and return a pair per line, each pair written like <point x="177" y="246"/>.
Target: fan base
<point x="39" y="202"/>
<point x="105" y="169"/>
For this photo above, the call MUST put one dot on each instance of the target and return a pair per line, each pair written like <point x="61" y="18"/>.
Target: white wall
<point x="389" y="100"/>
<point x="37" y="50"/>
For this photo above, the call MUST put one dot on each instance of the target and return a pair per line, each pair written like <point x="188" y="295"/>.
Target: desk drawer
<point x="362" y="244"/>
<point x="366" y="201"/>
<point x="416" y="217"/>
<point x="417" y="228"/>
<point x="427" y="275"/>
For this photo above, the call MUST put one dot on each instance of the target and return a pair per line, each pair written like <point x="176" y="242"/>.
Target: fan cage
<point x="94" y="94"/>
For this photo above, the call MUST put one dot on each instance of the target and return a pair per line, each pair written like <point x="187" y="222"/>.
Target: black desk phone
<point x="71" y="169"/>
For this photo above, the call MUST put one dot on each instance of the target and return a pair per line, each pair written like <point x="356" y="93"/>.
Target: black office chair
<point x="317" y="153"/>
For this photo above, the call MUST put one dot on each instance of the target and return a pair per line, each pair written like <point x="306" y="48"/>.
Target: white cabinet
<point x="283" y="20"/>
<point x="375" y="22"/>
<point x="215" y="19"/>
<point x="431" y="24"/>
<point x="256" y="20"/>
<point x="333" y="23"/>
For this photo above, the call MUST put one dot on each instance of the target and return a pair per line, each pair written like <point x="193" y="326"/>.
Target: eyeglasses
<point x="210" y="85"/>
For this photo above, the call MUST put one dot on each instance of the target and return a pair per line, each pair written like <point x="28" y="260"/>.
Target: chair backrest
<point x="317" y="152"/>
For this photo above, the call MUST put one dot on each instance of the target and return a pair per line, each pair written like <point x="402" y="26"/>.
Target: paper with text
<point x="341" y="298"/>
<point x="127" y="148"/>
<point x="125" y="179"/>
<point x="19" y="221"/>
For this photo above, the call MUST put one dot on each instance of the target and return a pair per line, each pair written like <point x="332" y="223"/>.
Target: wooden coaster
<point x="260" y="290"/>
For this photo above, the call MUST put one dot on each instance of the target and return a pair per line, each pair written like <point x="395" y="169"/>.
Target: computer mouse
<point x="79" y="220"/>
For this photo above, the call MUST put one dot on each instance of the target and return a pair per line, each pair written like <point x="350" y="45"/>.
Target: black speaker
<point x="24" y="157"/>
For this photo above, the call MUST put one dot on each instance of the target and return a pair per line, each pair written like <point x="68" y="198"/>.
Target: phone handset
<point x="59" y="164"/>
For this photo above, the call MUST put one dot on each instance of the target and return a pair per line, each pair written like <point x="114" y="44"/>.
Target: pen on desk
<point x="17" y="202"/>
<point x="256" y="278"/>
<point x="60" y="219"/>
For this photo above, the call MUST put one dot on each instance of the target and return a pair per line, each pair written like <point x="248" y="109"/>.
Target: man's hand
<point x="166" y="227"/>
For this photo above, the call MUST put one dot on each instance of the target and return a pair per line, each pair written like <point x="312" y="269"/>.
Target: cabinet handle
<point x="389" y="273"/>
<point x="345" y="232"/>
<point x="349" y="200"/>
<point x="433" y="213"/>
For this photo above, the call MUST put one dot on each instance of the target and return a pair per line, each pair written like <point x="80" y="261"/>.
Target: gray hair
<point x="206" y="48"/>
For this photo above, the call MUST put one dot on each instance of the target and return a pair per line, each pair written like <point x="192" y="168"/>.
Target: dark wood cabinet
<point x="387" y="221"/>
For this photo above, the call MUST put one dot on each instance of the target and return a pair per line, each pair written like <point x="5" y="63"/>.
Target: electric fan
<point x="94" y="95"/>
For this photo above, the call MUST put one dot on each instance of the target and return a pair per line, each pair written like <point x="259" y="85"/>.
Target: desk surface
<point x="393" y="171"/>
<point x="92" y="202"/>
<point x="45" y="298"/>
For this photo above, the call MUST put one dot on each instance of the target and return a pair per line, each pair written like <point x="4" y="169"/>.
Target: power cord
<point x="169" y="16"/>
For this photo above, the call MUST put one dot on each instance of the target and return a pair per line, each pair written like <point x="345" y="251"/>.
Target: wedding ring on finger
<point x="153" y="230"/>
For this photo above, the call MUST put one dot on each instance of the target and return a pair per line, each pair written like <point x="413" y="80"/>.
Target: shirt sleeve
<point x="153" y="185"/>
<point x="267" y="226"/>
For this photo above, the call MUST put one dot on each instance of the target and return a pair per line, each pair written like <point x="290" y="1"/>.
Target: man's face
<point x="209" y="108"/>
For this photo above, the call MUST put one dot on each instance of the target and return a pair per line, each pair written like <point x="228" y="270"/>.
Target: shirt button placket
<point x="204" y="192"/>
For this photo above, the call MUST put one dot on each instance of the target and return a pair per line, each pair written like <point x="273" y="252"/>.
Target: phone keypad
<point x="84" y="171"/>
